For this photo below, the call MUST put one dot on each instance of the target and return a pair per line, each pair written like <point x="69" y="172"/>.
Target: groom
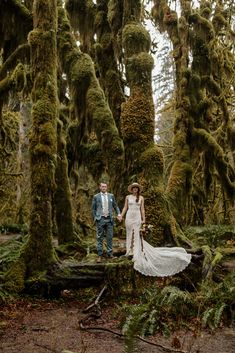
<point x="103" y="204"/>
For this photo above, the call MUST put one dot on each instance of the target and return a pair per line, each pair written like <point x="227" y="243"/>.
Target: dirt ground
<point x="41" y="326"/>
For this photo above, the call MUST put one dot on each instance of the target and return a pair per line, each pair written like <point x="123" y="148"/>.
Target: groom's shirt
<point x="105" y="204"/>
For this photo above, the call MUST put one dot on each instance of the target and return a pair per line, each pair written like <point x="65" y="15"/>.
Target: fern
<point x="212" y="317"/>
<point x="174" y="296"/>
<point x="218" y="314"/>
<point x="215" y="298"/>
<point x="156" y="314"/>
<point x="4" y="295"/>
<point x="132" y="327"/>
<point x="10" y="251"/>
<point x="172" y="307"/>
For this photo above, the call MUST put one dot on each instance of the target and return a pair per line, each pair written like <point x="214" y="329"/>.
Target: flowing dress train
<point x="149" y="260"/>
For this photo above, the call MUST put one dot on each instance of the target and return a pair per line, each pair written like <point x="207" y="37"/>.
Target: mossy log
<point x="118" y="274"/>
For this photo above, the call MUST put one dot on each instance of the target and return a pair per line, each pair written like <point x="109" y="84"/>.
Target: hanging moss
<point x="205" y="9"/>
<point x="63" y="198"/>
<point x="206" y="31"/>
<point x="206" y="141"/>
<point x="219" y="19"/>
<point x="16" y="81"/>
<point x="19" y="77"/>
<point x="231" y="137"/>
<point x="83" y="83"/>
<point x="82" y="15"/>
<point x="115" y="11"/>
<point x="109" y="75"/>
<point x="13" y="34"/>
<point x="93" y="152"/>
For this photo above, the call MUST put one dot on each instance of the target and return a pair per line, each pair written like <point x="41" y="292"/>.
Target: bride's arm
<point x="125" y="207"/>
<point x="142" y="210"/>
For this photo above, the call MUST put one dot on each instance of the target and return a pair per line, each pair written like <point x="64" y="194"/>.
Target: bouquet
<point x="145" y="229"/>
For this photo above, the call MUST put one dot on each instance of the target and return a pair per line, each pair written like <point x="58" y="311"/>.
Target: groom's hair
<point x="103" y="182"/>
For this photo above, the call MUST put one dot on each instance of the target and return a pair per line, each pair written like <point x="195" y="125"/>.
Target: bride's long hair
<point x="137" y="196"/>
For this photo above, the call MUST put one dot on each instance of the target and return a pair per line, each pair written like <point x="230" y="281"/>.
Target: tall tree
<point x="200" y="39"/>
<point x="38" y="253"/>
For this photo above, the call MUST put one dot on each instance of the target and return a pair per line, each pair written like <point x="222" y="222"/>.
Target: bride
<point x="148" y="260"/>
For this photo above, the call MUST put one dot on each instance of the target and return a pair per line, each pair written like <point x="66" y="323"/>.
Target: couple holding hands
<point x="148" y="260"/>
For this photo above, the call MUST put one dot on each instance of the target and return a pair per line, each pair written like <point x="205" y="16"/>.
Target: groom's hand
<point x="119" y="217"/>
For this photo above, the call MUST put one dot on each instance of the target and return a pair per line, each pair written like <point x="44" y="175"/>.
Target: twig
<point x="168" y="349"/>
<point x="48" y="348"/>
<point x="96" y="301"/>
<point x="100" y="328"/>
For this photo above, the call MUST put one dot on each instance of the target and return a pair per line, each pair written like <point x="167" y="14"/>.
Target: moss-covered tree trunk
<point x="179" y="185"/>
<point x="143" y="159"/>
<point x="38" y="253"/>
<point x="62" y="197"/>
<point x="43" y="140"/>
<point x="203" y="132"/>
<point x="90" y="108"/>
<point x="106" y="58"/>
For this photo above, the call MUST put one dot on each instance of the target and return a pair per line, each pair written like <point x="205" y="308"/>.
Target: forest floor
<point x="33" y="325"/>
<point x="39" y="326"/>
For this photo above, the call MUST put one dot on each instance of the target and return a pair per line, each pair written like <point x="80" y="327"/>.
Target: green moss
<point x="139" y="70"/>
<point x="87" y="95"/>
<point x="81" y="14"/>
<point x="179" y="181"/>
<point x="92" y="152"/>
<point x="19" y="77"/>
<point x="137" y="123"/>
<point x="135" y="39"/>
<point x="231" y="137"/>
<point x="159" y="215"/>
<point x="206" y="30"/>
<point x="152" y="159"/>
<point x="45" y="143"/>
<point x="15" y="277"/>
<point x="114" y="15"/>
<point x="207" y="142"/>
<point x="62" y="196"/>
<point x="122" y="279"/>
<point x="38" y="252"/>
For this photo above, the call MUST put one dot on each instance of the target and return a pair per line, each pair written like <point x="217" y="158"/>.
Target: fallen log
<point x="66" y="275"/>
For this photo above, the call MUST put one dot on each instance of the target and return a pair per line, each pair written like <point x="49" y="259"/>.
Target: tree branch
<point x="20" y="49"/>
<point x="20" y="9"/>
<point x="207" y="142"/>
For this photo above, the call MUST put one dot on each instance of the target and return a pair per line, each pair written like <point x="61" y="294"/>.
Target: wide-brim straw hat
<point x="134" y="185"/>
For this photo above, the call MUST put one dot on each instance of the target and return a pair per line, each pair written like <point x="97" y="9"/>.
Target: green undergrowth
<point x="166" y="309"/>
<point x="212" y="235"/>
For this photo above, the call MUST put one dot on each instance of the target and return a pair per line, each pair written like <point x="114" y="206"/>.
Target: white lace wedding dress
<point x="148" y="260"/>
